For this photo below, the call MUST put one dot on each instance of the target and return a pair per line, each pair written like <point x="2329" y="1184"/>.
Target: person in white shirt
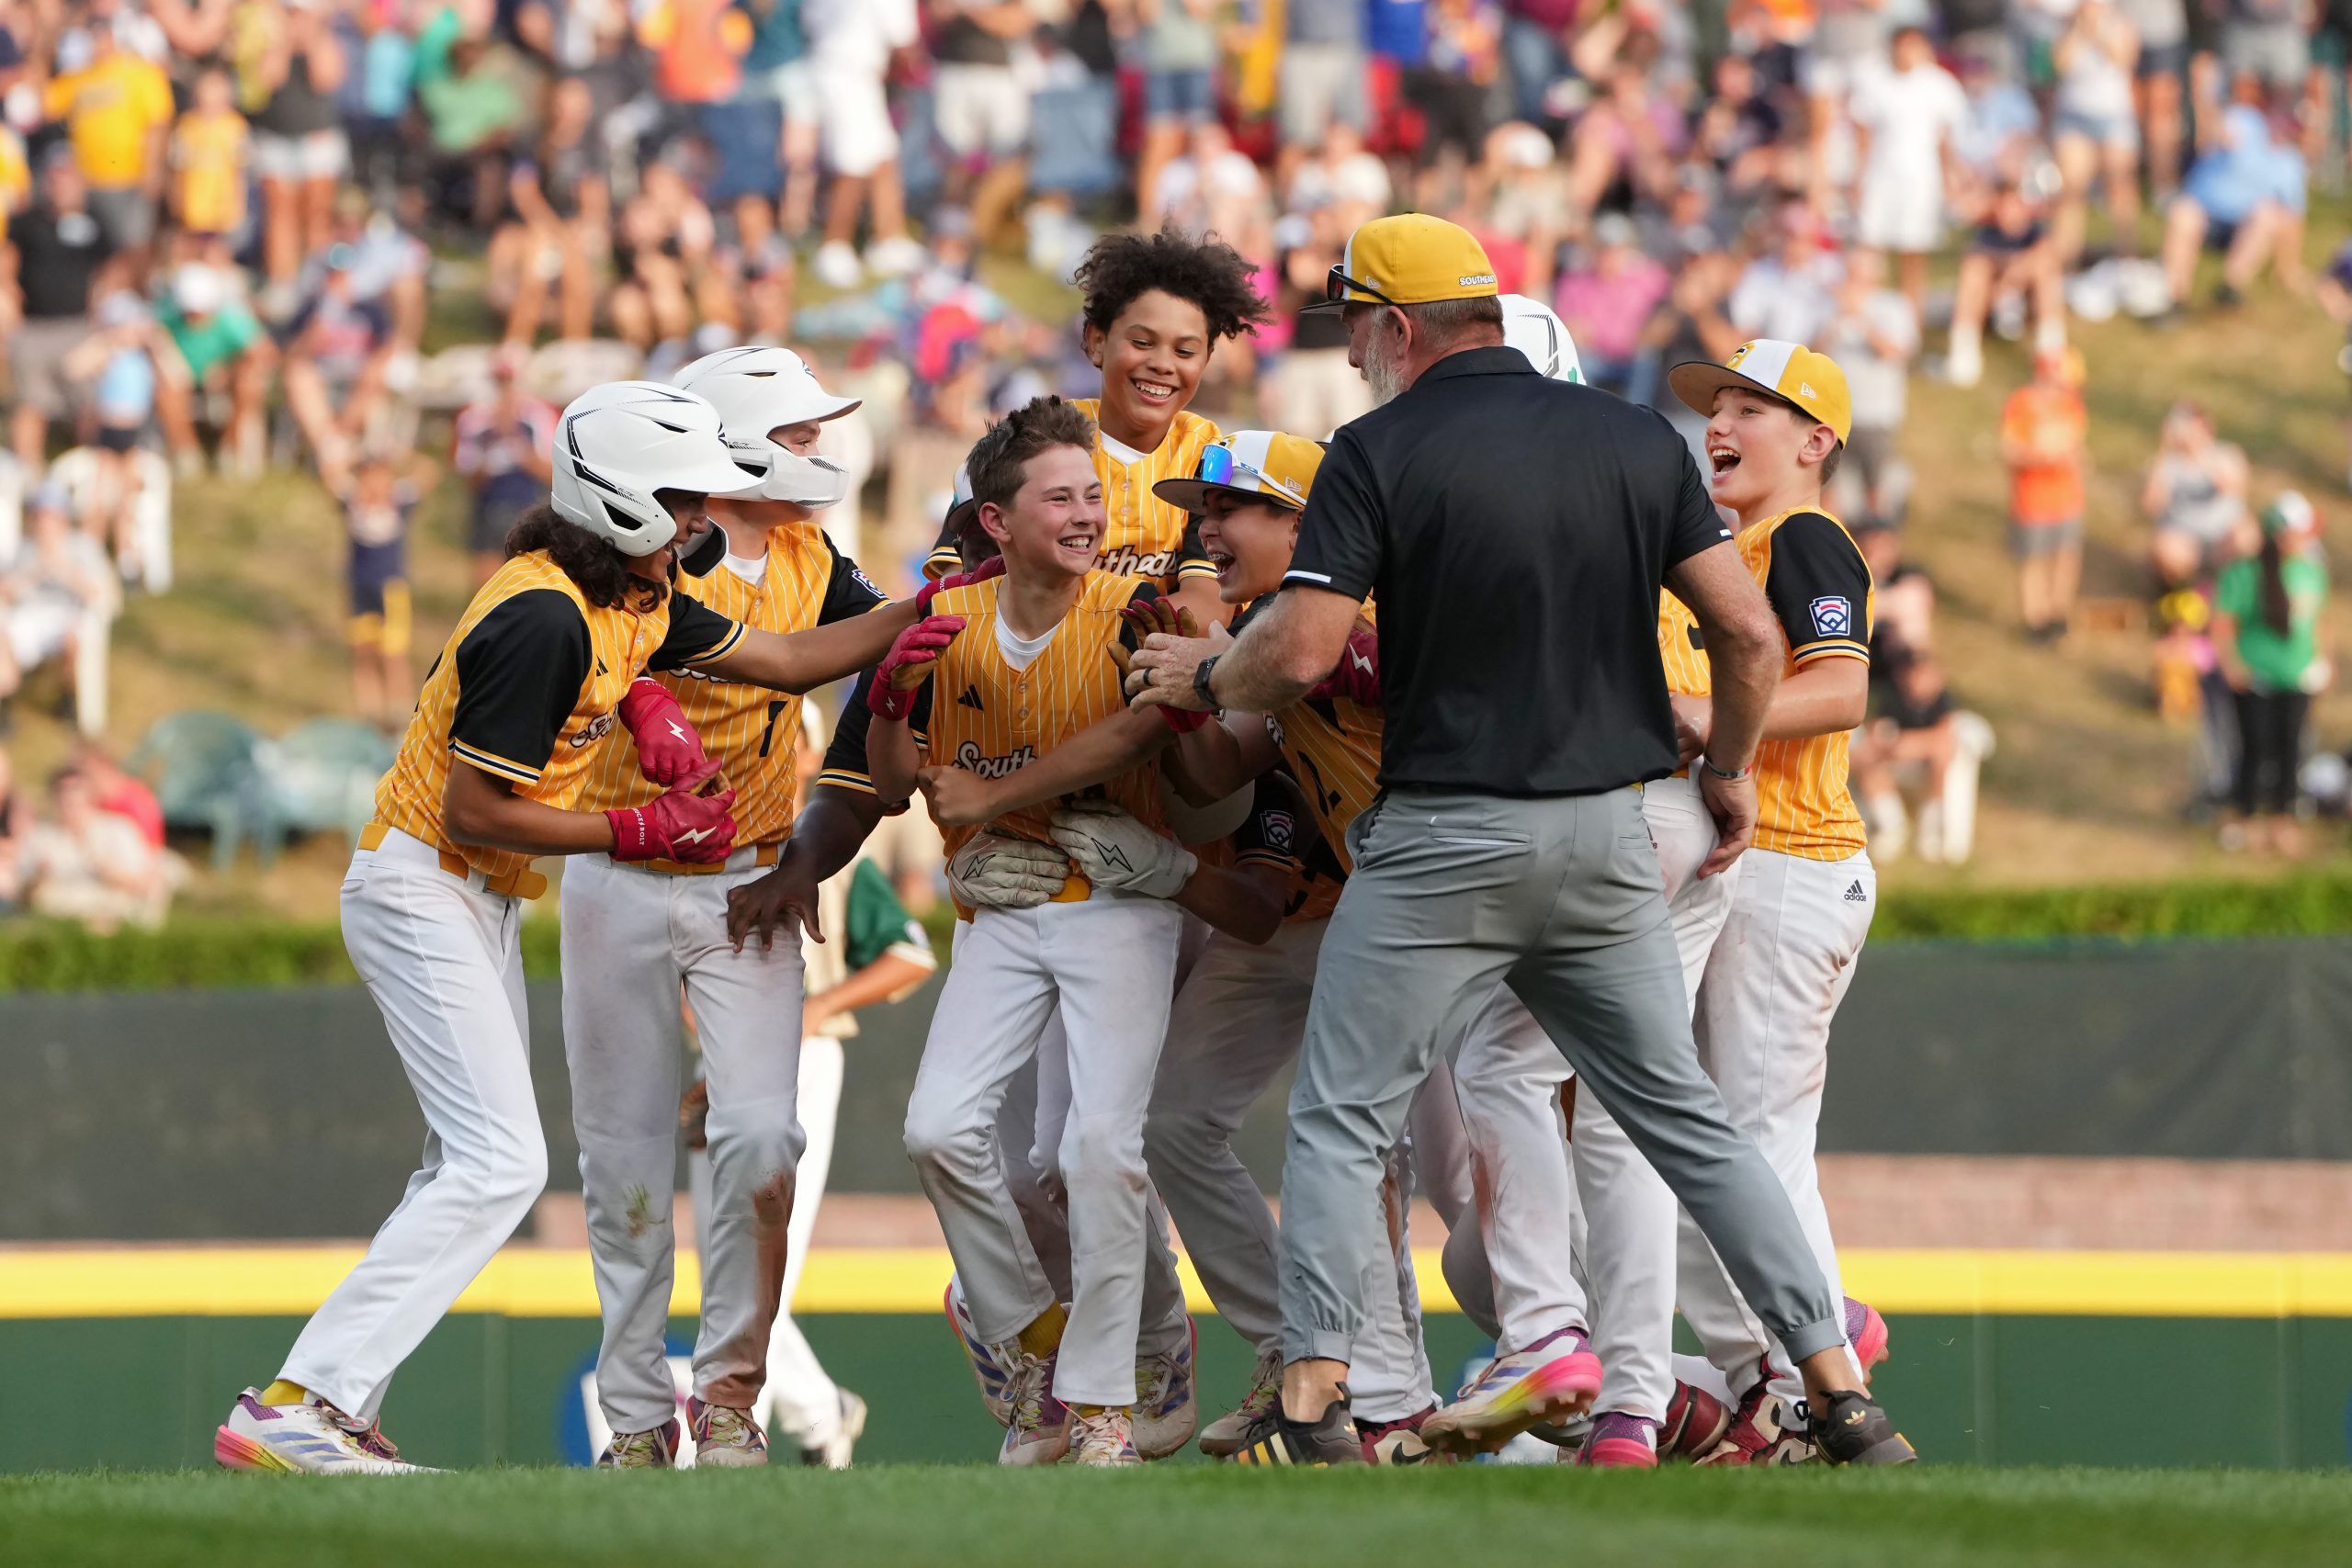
<point x="1904" y="121"/>
<point x="2093" y="128"/>
<point x="850" y="46"/>
<point x="1789" y="293"/>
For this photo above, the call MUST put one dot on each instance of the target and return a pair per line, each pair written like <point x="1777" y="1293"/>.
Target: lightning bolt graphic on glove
<point x="1361" y="661"/>
<point x="697" y="837"/>
<point x="676" y="729"/>
<point x="1113" y="855"/>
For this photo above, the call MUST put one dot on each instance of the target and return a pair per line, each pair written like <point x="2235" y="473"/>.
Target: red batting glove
<point x="1184" y="721"/>
<point x="1358" y="675"/>
<point x="903" y="669"/>
<point x="680" y="826"/>
<point x="992" y="567"/>
<point x="667" y="747"/>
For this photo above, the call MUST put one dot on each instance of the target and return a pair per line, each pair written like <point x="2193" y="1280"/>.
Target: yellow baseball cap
<point x="1790" y="371"/>
<point x="1249" y="462"/>
<point x="1409" y="259"/>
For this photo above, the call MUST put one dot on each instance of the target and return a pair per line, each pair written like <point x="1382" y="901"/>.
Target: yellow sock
<point x="1088" y="1411"/>
<point x="1043" y="1336"/>
<point x="284" y="1393"/>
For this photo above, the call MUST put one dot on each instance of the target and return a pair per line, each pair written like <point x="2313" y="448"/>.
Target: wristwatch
<point x="1202" y="673"/>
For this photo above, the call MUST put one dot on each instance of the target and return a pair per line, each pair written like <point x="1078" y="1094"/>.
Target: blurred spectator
<point x="2268" y="611"/>
<point x="117" y="110"/>
<point x="2335" y="298"/>
<point x="2267" y="43"/>
<point x="1313" y="387"/>
<point x="337" y="349"/>
<point x="559" y="223"/>
<point x="777" y="67"/>
<point x="1790" y="291"/>
<point x="60" y="589"/>
<point x="1325" y="66"/>
<point x="1451" y="82"/>
<point x="1874" y="340"/>
<point x="2008" y="273"/>
<point x="2162" y="72"/>
<point x="1535" y="54"/>
<point x="2044" y="428"/>
<point x="15" y="827"/>
<point x="2000" y="134"/>
<point x="1606" y="302"/>
<point x="2095" y="134"/>
<point x="92" y="865"/>
<point x="504" y="451"/>
<point x="1739" y="127"/>
<point x="1178" y="49"/>
<point x="662" y="254"/>
<point x="118" y="363"/>
<point x="211" y="153"/>
<point x="2245" y="198"/>
<point x="290" y="66"/>
<point x="222" y="356"/>
<point x="379" y="500"/>
<point x="55" y="252"/>
<point x="851" y="43"/>
<point x="1211" y="188"/>
<point x="2195" y="496"/>
<point x="1905" y="119"/>
<point x="113" y="790"/>
<point x="979" y="106"/>
<point x="1624" y="147"/>
<point x="1691" y="326"/>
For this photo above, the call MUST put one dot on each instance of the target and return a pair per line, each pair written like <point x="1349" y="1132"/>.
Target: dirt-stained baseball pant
<point x="800" y="1400"/>
<point x="1107" y="965"/>
<point x="443" y="958"/>
<point x="1452" y="894"/>
<point x="1772" y="985"/>
<point x="1235" y="1025"/>
<point x="631" y="937"/>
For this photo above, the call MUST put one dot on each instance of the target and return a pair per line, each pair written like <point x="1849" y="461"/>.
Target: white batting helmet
<point x="1529" y="327"/>
<point x="760" y="389"/>
<point x="620" y="442"/>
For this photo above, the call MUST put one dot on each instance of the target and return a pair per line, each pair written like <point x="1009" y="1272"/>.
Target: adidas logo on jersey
<point x="967" y="757"/>
<point x="970" y="699"/>
<point x="1855" y="894"/>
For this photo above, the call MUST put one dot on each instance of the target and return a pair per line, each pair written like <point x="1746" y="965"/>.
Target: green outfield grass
<point x="1192" y="1516"/>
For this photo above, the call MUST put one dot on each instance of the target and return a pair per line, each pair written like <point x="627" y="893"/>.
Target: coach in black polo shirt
<point x="1513" y="532"/>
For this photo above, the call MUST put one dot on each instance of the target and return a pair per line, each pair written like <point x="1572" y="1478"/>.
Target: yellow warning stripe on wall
<point x="529" y="1281"/>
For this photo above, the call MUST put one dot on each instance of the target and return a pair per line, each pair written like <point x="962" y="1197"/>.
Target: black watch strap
<point x="1202" y="673"/>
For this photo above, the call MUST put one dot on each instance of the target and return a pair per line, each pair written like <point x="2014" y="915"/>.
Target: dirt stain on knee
<point x="771" y="1199"/>
<point x="639" y="1211"/>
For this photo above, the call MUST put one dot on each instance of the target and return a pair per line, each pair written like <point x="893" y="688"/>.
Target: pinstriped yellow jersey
<point x="1820" y="589"/>
<point x="980" y="712"/>
<point x="1142" y="535"/>
<point x="754" y="732"/>
<point x="1331" y="747"/>
<point x="525" y="690"/>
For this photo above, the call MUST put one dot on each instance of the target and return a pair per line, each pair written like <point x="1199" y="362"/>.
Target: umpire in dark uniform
<point x="1514" y="532"/>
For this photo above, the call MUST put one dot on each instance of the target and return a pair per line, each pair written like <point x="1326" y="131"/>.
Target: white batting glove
<point x="1116" y="851"/>
<point x="998" y="872"/>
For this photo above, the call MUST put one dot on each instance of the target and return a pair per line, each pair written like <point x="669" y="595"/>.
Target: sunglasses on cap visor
<point x="1218" y="466"/>
<point x="1336" y="284"/>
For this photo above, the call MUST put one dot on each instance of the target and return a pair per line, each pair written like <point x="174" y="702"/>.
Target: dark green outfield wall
<point x="485" y="1389"/>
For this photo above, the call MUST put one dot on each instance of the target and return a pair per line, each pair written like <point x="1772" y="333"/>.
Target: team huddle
<point x="1144" y="879"/>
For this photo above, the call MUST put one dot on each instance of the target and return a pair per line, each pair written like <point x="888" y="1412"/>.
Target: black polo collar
<point x="1500" y="360"/>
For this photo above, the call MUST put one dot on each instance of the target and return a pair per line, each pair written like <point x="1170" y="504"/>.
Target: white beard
<point x="1381" y="374"/>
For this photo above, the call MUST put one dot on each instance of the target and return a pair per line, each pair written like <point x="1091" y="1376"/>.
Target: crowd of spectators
<point x="223" y="217"/>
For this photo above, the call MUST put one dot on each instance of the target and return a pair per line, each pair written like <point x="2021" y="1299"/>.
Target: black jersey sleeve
<point x="698" y="635"/>
<point x="519" y="674"/>
<point x="1342" y="539"/>
<point x="1192" y="556"/>
<point x="849" y="591"/>
<point x="945" y="555"/>
<point x="845" y="766"/>
<point x="1820" y="587"/>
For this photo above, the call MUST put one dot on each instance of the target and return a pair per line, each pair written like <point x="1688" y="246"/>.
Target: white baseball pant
<point x="1107" y="965"/>
<point x="442" y="956"/>
<point x="1236" y="1021"/>
<point x="631" y="936"/>
<point x="801" y="1400"/>
<point x="1772" y="985"/>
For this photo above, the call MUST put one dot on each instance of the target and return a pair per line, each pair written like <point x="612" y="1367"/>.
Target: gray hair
<point x="1443" y="323"/>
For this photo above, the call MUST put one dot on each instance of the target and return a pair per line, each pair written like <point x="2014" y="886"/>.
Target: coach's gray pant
<point x="1559" y="899"/>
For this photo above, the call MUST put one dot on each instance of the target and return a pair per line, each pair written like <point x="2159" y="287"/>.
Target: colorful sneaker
<point x="1167" y="1410"/>
<point x="1103" y="1440"/>
<point x="726" y="1438"/>
<point x="310" y="1438"/>
<point x="1229" y="1433"/>
<point x="1866" y="1331"/>
<point x="1850" y="1429"/>
<point x="991" y="1372"/>
<point x="1398" y="1442"/>
<point x="1764" y="1430"/>
<point x="656" y="1450"/>
<point x="1039" y="1429"/>
<point x="1556" y="1377"/>
<point x="832" y="1451"/>
<point x="1619" y="1441"/>
<point x="1695" y="1422"/>
<point x="1330" y="1440"/>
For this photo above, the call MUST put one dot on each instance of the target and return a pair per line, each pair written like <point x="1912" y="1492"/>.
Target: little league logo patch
<point x="1280" y="831"/>
<point x="1833" y="615"/>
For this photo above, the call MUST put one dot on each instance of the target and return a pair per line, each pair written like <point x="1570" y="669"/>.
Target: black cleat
<point x="1332" y="1439"/>
<point x="1848" y="1428"/>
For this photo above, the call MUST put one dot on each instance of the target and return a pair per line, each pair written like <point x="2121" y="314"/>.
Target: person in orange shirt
<point x="2044" y="428"/>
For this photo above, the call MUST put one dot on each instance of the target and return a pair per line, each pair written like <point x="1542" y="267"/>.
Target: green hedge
<point x="222" y="951"/>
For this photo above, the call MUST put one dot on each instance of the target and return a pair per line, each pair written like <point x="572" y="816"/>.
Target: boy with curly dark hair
<point x="1154" y="308"/>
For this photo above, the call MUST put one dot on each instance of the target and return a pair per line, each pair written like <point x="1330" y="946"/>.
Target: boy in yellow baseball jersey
<point x="1155" y="307"/>
<point x="524" y="696"/>
<point x="1778" y="416"/>
<point x="634" y="932"/>
<point x="1028" y="668"/>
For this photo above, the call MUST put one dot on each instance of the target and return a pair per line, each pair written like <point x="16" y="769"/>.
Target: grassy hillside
<point x="2086" y="784"/>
